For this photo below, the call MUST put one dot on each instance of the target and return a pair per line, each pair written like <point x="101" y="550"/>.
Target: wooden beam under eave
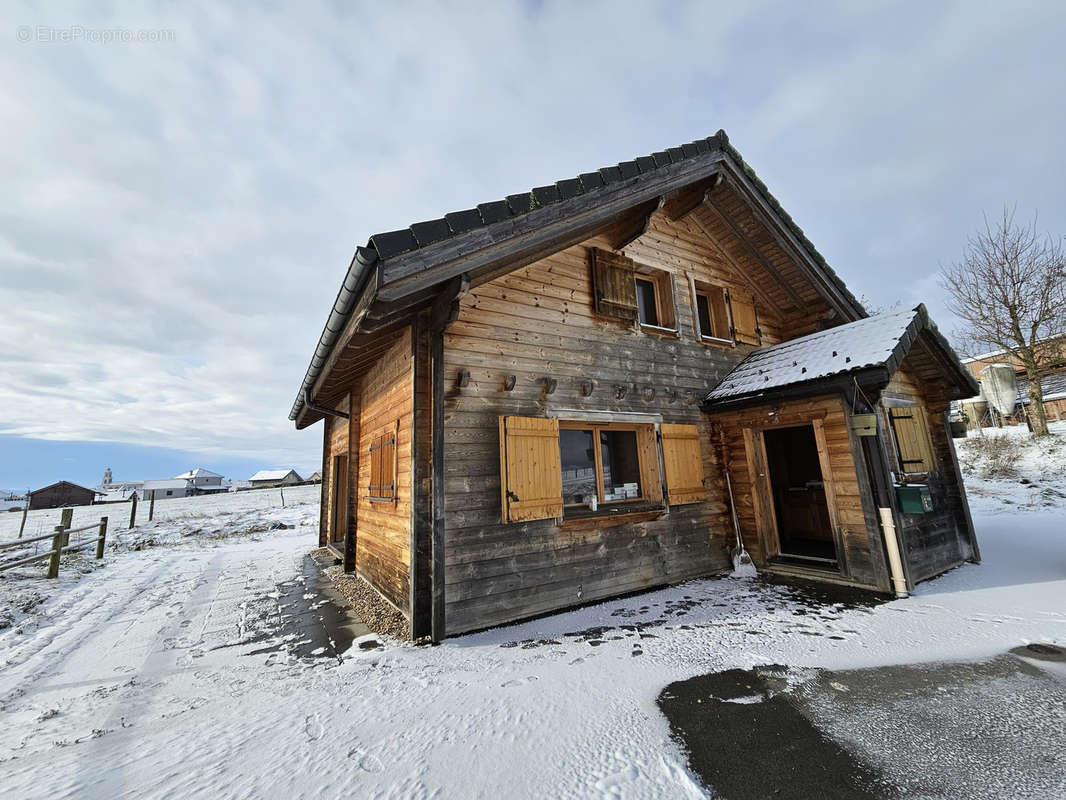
<point x="629" y="230"/>
<point x="684" y="201"/>
<point x="772" y="306"/>
<point x="771" y="270"/>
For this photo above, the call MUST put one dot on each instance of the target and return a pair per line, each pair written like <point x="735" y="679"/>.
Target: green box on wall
<point x="914" y="499"/>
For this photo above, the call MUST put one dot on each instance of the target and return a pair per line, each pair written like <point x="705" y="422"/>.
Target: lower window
<point x="600" y="464"/>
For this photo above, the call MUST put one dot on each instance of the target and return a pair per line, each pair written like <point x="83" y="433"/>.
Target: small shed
<point x="839" y="453"/>
<point x="60" y="495"/>
<point x="266" y="478"/>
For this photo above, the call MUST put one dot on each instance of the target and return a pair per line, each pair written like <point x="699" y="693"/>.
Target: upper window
<point x="712" y="316"/>
<point x="914" y="448"/>
<point x="655" y="300"/>
<point x="383" y="466"/>
<point x="630" y="292"/>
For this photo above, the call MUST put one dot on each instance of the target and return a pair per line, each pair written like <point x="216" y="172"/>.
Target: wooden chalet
<point x="535" y="403"/>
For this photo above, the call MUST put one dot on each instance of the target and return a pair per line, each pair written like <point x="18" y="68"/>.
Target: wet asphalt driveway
<point x="989" y="729"/>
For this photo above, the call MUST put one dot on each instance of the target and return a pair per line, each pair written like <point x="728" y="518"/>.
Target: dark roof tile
<point x="628" y="169"/>
<point x="690" y="150"/>
<point x="676" y="154"/>
<point x="431" y="231"/>
<point x="545" y="195"/>
<point x="460" y="221"/>
<point x="495" y="211"/>
<point x="661" y="159"/>
<point x="570" y="187"/>
<point x="591" y="180"/>
<point x="646" y="163"/>
<point x="611" y="174"/>
<point x="393" y="243"/>
<point x="520" y="203"/>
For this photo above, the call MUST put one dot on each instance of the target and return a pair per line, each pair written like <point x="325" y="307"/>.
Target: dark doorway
<point x="803" y="525"/>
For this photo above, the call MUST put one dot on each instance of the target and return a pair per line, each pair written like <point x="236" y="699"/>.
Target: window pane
<point x="621" y="465"/>
<point x="579" y="466"/>
<point x="649" y="315"/>
<point x="703" y="311"/>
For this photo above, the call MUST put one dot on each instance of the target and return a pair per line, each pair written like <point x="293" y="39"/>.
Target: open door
<point x="338" y="518"/>
<point x="798" y="489"/>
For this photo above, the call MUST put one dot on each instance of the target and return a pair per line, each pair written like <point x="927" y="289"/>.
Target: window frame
<point x="665" y="308"/>
<point x="382" y="447"/>
<point x="702" y="288"/>
<point x="596" y="427"/>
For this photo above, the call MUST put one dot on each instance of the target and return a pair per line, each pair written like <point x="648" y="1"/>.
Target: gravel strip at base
<point x="376" y="612"/>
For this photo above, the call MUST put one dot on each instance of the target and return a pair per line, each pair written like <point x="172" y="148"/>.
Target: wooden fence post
<point x="282" y="497"/>
<point x="133" y="510"/>
<point x="103" y="535"/>
<point x="66" y="519"/>
<point x="57" y="545"/>
<point x="25" y="511"/>
<point x="151" y="507"/>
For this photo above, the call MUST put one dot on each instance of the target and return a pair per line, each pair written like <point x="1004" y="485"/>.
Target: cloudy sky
<point x="177" y="213"/>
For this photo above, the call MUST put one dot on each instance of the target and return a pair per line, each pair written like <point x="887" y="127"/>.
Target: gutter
<point x="358" y="272"/>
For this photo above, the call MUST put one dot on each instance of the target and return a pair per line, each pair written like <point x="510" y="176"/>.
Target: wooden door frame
<point x="338" y="525"/>
<point x="763" y="501"/>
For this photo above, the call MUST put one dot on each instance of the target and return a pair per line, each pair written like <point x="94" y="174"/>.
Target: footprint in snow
<point x="519" y="681"/>
<point x="368" y="762"/>
<point x="313" y="728"/>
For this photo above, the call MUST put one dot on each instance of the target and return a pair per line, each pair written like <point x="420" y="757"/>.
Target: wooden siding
<point x="938" y="540"/>
<point x="539" y="325"/>
<point x="383" y="529"/>
<point x="740" y="435"/>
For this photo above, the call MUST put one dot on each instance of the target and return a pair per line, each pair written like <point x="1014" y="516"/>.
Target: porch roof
<point x="880" y="341"/>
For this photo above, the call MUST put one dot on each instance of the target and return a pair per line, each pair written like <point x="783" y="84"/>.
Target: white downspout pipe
<point x="895" y="562"/>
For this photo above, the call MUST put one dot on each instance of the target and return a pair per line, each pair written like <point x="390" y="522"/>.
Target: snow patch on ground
<point x="164" y="670"/>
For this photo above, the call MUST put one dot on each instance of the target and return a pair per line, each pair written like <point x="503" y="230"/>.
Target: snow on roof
<point x="879" y="341"/>
<point x="867" y="342"/>
<point x="270" y="474"/>
<point x="199" y="472"/>
<point x="170" y="484"/>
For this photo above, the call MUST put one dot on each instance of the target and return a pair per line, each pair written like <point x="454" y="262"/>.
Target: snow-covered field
<point x="164" y="672"/>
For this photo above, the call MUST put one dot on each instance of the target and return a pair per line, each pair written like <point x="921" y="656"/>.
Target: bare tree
<point x="1010" y="291"/>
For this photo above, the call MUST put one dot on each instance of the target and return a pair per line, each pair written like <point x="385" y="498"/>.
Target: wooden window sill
<point x="655" y="330"/>
<point x="609" y="516"/>
<point x="714" y="341"/>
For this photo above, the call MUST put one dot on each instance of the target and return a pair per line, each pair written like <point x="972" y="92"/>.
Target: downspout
<point x="895" y="562"/>
<point x="321" y="409"/>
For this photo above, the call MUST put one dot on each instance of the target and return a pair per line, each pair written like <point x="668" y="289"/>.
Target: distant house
<point x="1052" y="382"/>
<point x="175" y="487"/>
<point x="266" y="478"/>
<point x="58" y="495"/>
<point x="204" y="481"/>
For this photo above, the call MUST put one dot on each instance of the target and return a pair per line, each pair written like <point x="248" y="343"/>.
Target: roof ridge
<point x="419" y="234"/>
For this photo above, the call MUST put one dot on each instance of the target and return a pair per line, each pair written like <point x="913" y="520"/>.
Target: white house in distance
<point x="266" y="478"/>
<point x="201" y="478"/>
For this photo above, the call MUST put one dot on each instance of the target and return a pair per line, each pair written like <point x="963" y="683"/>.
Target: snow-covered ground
<point x="165" y="671"/>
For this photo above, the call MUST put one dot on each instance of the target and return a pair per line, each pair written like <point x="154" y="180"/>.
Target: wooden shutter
<point x="531" y="480"/>
<point x="745" y="320"/>
<point x="684" y="464"/>
<point x="613" y="286"/>
<point x="383" y="467"/>
<point x="912" y="439"/>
